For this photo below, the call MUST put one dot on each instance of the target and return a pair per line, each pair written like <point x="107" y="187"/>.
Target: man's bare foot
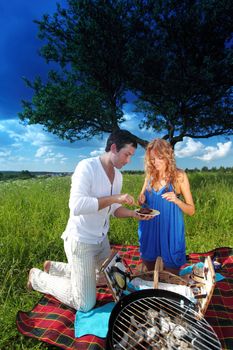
<point x="47" y="265"/>
<point x="101" y="281"/>
<point x="29" y="284"/>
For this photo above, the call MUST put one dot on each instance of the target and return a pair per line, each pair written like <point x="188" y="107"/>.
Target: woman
<point x="166" y="188"/>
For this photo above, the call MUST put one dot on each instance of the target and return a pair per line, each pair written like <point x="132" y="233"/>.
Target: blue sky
<point x="30" y="147"/>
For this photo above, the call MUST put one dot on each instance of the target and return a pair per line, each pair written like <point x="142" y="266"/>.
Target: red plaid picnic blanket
<point x="53" y="323"/>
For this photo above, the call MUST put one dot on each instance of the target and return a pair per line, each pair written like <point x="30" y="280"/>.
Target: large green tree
<point x="184" y="78"/>
<point x="88" y="40"/>
<point x="176" y="56"/>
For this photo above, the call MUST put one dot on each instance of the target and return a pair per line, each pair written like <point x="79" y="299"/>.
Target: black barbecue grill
<point x="156" y="319"/>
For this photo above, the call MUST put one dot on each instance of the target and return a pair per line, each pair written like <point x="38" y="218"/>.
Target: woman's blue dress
<point x="163" y="235"/>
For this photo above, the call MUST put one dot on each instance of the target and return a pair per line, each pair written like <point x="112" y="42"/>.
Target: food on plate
<point x="145" y="211"/>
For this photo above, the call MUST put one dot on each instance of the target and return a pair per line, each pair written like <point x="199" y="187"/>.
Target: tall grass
<point x="33" y="214"/>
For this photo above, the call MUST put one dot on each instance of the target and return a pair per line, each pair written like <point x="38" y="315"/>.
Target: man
<point x="95" y="195"/>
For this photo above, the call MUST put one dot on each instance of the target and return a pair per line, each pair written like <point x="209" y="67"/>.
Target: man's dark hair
<point x="120" y="138"/>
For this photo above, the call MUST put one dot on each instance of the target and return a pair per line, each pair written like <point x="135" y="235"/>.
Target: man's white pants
<point x="74" y="284"/>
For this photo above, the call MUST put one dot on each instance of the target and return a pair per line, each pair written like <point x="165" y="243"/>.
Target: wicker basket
<point x="201" y="281"/>
<point x="201" y="286"/>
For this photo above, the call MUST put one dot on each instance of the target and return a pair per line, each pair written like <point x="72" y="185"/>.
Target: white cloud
<point x="59" y="155"/>
<point x="5" y="153"/>
<point x="49" y="160"/>
<point x="197" y="150"/>
<point x="14" y="135"/>
<point x="188" y="148"/>
<point x="45" y="151"/>
<point x="16" y="145"/>
<point x="17" y="159"/>
<point x="62" y="160"/>
<point x="129" y="123"/>
<point x="82" y="156"/>
<point x="36" y="137"/>
<point x="33" y="134"/>
<point x="7" y="158"/>
<point x="53" y="159"/>
<point x="212" y="153"/>
<point x="42" y="151"/>
<point x="49" y="157"/>
<point x="97" y="152"/>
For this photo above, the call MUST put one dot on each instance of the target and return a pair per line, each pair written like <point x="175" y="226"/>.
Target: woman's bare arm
<point x="187" y="206"/>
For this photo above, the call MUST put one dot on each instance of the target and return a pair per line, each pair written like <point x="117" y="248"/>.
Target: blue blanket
<point x="94" y="321"/>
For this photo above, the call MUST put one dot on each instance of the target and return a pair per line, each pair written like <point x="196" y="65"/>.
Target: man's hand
<point x="126" y="199"/>
<point x="115" y="198"/>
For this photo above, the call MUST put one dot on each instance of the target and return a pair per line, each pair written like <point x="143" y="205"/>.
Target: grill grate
<point x="159" y="323"/>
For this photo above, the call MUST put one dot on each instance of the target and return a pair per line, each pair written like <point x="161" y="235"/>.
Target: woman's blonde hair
<point x="162" y="149"/>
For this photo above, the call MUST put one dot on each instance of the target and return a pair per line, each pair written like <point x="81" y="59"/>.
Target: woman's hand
<point x="141" y="199"/>
<point x="170" y="196"/>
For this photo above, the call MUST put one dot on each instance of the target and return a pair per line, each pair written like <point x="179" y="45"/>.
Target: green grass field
<point x="33" y="214"/>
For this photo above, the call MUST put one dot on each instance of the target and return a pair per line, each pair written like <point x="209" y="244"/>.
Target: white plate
<point x="152" y="214"/>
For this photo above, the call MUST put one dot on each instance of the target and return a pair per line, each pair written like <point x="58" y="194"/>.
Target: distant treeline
<point x="25" y="174"/>
<point x="195" y="170"/>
